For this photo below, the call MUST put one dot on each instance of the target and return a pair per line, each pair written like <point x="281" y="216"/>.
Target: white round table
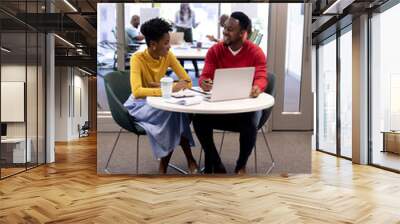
<point x="263" y="101"/>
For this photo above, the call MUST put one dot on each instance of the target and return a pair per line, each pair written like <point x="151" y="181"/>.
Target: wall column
<point x="360" y="90"/>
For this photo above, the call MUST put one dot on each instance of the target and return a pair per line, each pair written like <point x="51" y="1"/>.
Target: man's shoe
<point x="207" y="170"/>
<point x="241" y="171"/>
<point x="219" y="168"/>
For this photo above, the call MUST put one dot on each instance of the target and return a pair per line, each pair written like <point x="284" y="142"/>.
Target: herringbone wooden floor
<point x="69" y="191"/>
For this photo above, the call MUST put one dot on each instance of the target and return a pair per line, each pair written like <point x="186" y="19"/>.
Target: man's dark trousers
<point x="244" y="123"/>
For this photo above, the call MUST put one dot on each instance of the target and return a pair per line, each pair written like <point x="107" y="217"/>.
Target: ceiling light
<point x="70" y="5"/>
<point x="337" y="7"/>
<point x="65" y="41"/>
<point x="84" y="71"/>
<point x="5" y="50"/>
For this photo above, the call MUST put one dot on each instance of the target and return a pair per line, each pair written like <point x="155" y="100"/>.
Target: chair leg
<point x="175" y="167"/>
<point x="255" y="158"/>
<point x="201" y="153"/>
<point x="222" y="142"/>
<point x="269" y="151"/>
<point x="137" y="154"/>
<point x="112" y="151"/>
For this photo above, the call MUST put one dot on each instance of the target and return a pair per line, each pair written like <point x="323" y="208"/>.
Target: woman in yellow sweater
<point x="166" y="130"/>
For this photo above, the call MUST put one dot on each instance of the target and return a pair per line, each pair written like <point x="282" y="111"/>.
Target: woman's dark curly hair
<point x="154" y="29"/>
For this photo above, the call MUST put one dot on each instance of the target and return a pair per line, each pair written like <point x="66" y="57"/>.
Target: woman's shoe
<point x="164" y="164"/>
<point x="208" y="170"/>
<point x="162" y="169"/>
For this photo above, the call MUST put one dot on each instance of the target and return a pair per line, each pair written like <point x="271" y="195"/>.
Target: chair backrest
<point x="253" y="35"/>
<point x="258" y="38"/>
<point x="117" y="85"/>
<point x="86" y="125"/>
<point x="271" y="90"/>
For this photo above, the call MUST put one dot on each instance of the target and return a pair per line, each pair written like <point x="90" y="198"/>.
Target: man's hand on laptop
<point x="206" y="84"/>
<point x="255" y="91"/>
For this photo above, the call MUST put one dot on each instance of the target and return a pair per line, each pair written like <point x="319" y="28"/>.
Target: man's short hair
<point x="244" y="20"/>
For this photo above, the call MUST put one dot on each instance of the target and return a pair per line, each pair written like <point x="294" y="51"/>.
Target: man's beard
<point x="227" y="44"/>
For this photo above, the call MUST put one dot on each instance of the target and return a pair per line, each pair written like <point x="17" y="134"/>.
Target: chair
<point x="258" y="39"/>
<point x="118" y="89"/>
<point x="84" y="130"/>
<point x="253" y="35"/>
<point x="271" y="89"/>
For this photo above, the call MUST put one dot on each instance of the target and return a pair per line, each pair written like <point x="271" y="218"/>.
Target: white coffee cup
<point x="166" y="87"/>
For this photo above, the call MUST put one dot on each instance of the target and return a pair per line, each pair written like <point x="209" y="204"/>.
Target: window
<point x="22" y="75"/>
<point x="385" y="86"/>
<point x="135" y="9"/>
<point x="106" y="35"/>
<point x="206" y="14"/>
<point x="346" y="94"/>
<point x="294" y="52"/>
<point x="327" y="96"/>
<point x="258" y="13"/>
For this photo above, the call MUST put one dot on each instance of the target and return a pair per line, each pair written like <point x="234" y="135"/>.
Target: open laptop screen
<point x="232" y="83"/>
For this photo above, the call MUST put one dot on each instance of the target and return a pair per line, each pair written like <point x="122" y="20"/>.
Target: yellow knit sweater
<point x="145" y="69"/>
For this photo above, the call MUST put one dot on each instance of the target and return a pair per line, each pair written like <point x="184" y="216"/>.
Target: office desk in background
<point x="185" y="52"/>
<point x="15" y="148"/>
<point x="189" y="53"/>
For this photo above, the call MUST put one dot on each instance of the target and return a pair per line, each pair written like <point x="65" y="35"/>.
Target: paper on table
<point x="184" y="93"/>
<point x="185" y="101"/>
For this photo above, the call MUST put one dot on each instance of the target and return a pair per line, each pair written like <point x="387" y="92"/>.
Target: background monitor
<point x="3" y="129"/>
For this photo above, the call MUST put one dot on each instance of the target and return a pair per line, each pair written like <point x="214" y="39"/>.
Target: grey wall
<point x="71" y="102"/>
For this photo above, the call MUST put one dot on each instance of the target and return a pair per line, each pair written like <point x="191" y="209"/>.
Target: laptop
<point x="231" y="84"/>
<point x="176" y="38"/>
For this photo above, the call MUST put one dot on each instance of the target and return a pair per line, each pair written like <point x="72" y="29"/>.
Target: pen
<point x="208" y="81"/>
<point x="188" y="81"/>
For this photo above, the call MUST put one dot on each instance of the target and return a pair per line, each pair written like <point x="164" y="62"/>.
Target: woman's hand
<point x="182" y="84"/>
<point x="154" y="85"/>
